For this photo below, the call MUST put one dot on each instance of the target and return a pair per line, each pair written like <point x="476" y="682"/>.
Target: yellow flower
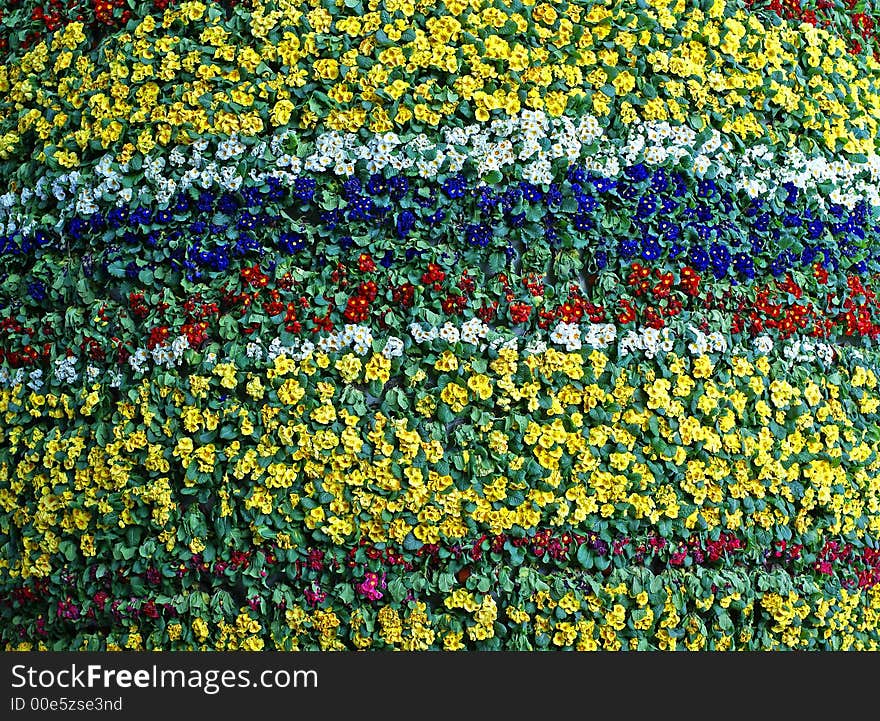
<point x="349" y="367"/>
<point x="200" y="628"/>
<point x="480" y="385"/>
<point x="454" y="396"/>
<point x="378" y="368"/>
<point x="446" y="362"/>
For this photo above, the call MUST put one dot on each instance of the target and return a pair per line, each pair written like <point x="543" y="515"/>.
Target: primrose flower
<point x="393" y="347"/>
<point x="763" y="344"/>
<point x="450" y="333"/>
<point x="138" y="361"/>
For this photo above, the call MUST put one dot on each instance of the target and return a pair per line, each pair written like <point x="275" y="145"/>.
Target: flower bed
<point x="425" y="325"/>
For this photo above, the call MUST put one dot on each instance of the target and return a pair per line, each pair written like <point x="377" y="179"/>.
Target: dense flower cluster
<point x="416" y="325"/>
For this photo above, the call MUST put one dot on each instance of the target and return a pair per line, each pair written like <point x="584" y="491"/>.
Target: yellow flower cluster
<point x="723" y="447"/>
<point x="400" y="64"/>
<point x="617" y="614"/>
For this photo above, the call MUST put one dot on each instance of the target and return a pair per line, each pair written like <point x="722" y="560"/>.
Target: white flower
<point x="330" y="343"/>
<point x="763" y="344"/>
<point x="305" y="350"/>
<point x="567" y="334"/>
<point x="535" y="347"/>
<point x="36" y="380"/>
<point x="449" y="333"/>
<point x="473" y="330"/>
<point x="700" y="346"/>
<point x="418" y="333"/>
<point x="393" y="347"/>
<point x="701" y="164"/>
<point x="65" y="369"/>
<point x="138" y="361"/>
<point x="717" y="342"/>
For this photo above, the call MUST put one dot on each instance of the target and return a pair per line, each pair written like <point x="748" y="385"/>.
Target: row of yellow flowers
<point x="631" y="610"/>
<point x="558" y="439"/>
<point x="381" y="66"/>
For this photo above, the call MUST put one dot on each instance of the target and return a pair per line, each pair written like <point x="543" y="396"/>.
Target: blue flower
<point x="757" y="243"/>
<point x="455" y="186"/>
<point x="276" y="191"/>
<point x="628" y="248"/>
<point x="647" y="206"/>
<point x="530" y="193"/>
<point x="762" y="222"/>
<point x="720" y="256"/>
<point x="699" y="258"/>
<point x="744" y="265"/>
<point x="228" y="204"/>
<point x="669" y="229"/>
<point x="808" y="255"/>
<point x="377" y="184"/>
<point x="650" y="248"/>
<point x="37" y="290"/>
<point x="637" y="173"/>
<point x="478" y="234"/>
<point x="425" y="201"/>
<point x="247" y="244"/>
<point x="97" y="223"/>
<point x="140" y="216"/>
<point x="704" y="212"/>
<point x="115" y="218"/>
<point x="604" y="185"/>
<point x="587" y="203"/>
<point x="780" y="264"/>
<point x="292" y="242"/>
<point x="304" y="189"/>
<point x="487" y="200"/>
<point x="815" y="228"/>
<point x="706" y="188"/>
<point x="246" y="221"/>
<point x="253" y="198"/>
<point x="659" y="181"/>
<point x="509" y="198"/>
<point x="205" y="203"/>
<point x="361" y="208"/>
<point x="351" y="188"/>
<point x="398" y="187"/>
<point x="576" y="174"/>
<point x="669" y="206"/>
<point x="628" y="192"/>
<point x="680" y="185"/>
<point x="405" y="222"/>
<point x="582" y="222"/>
